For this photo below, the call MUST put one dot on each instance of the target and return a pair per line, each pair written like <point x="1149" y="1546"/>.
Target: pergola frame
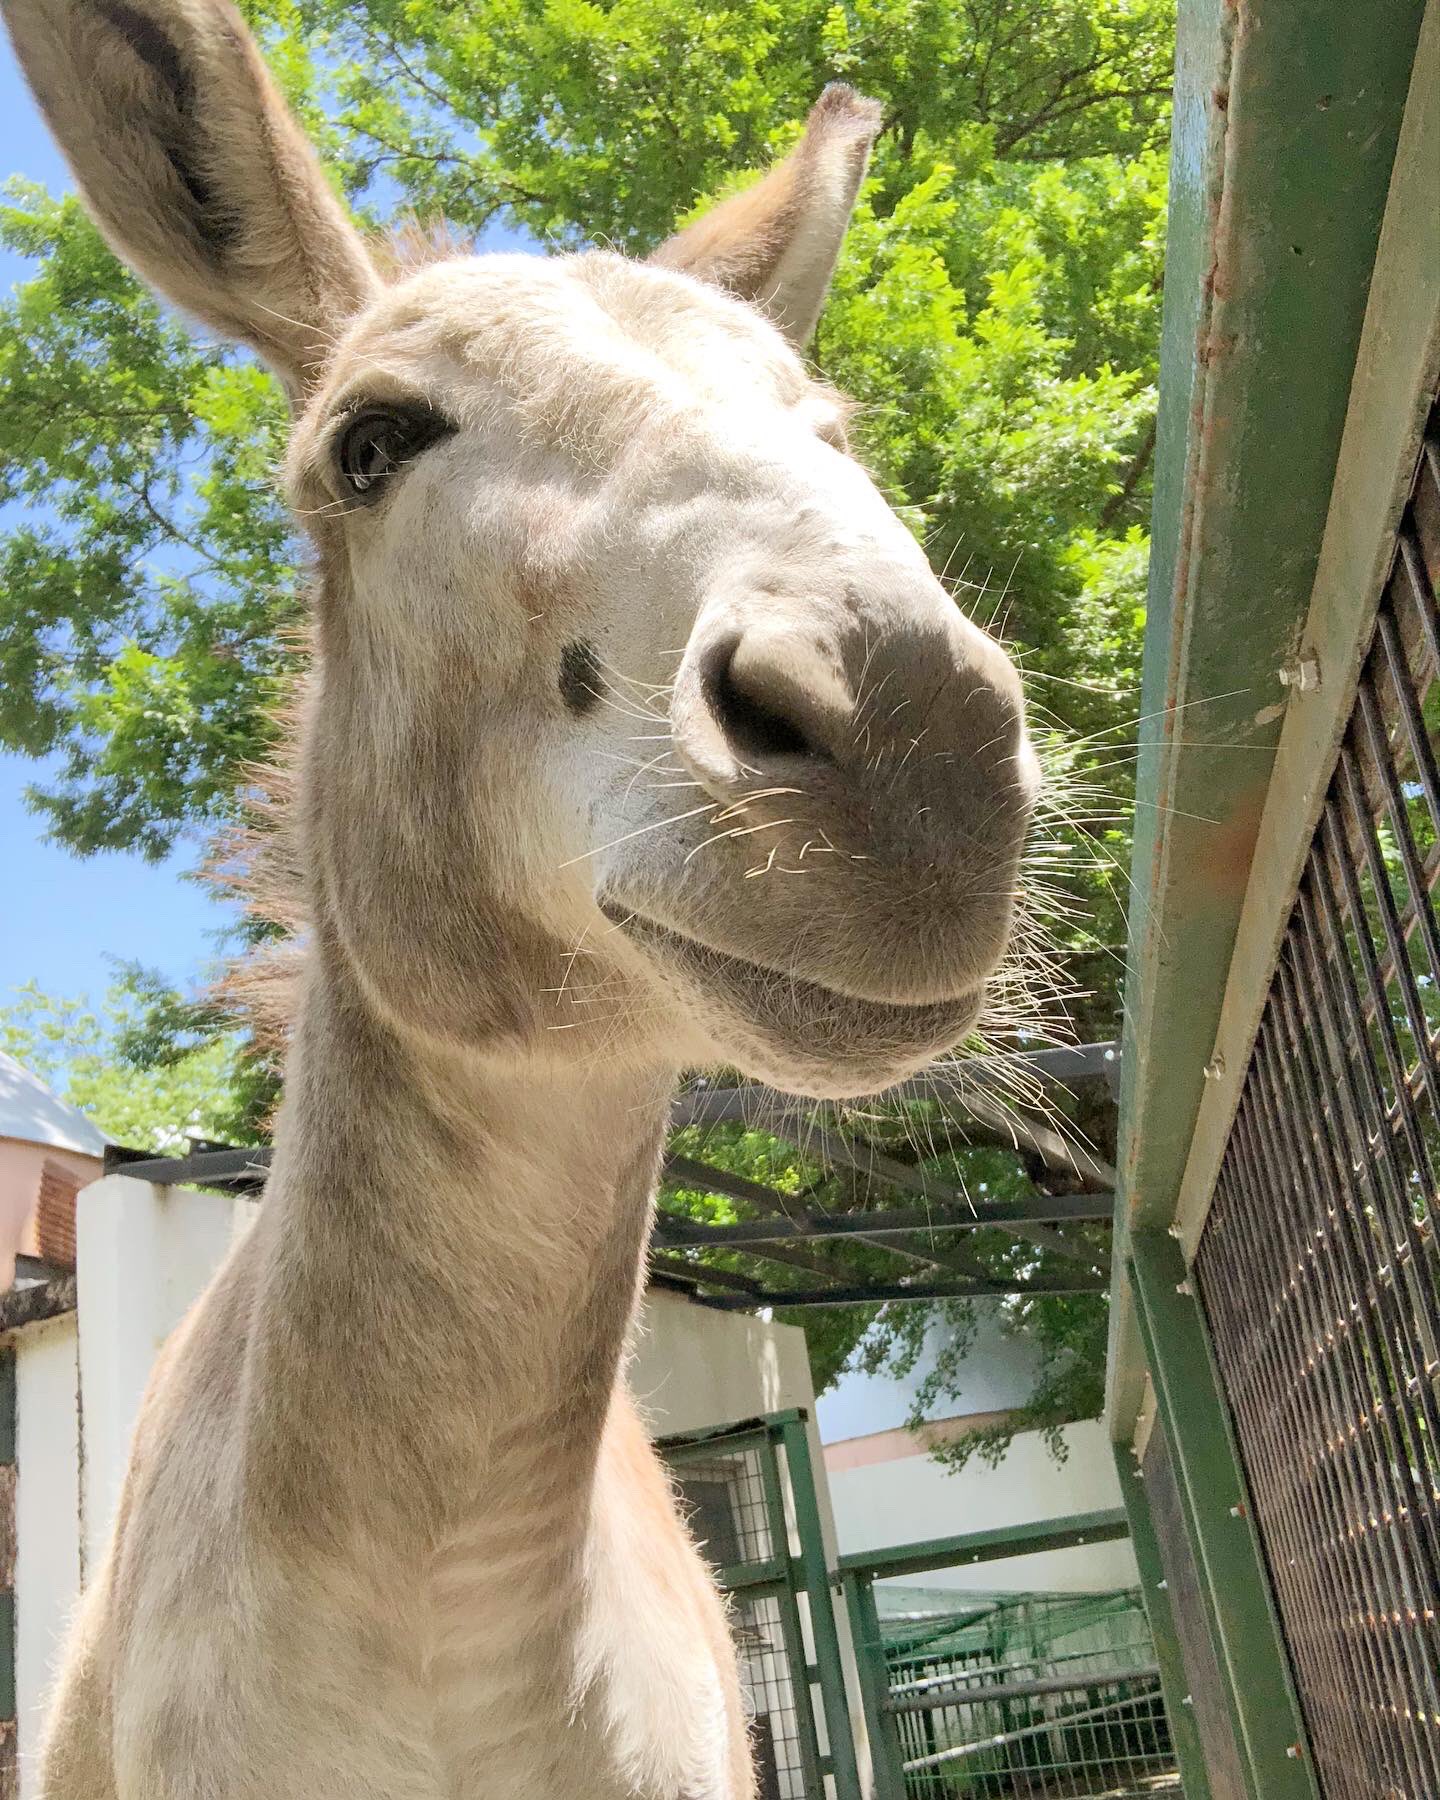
<point x="915" y="1216"/>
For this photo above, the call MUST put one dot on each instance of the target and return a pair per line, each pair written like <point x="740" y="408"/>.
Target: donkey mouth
<point x="789" y="1010"/>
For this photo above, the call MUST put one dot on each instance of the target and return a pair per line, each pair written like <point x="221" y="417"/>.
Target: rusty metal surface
<point x="1205" y="1687"/>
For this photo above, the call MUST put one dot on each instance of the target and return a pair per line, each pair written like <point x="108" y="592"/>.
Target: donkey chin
<point x="798" y="1034"/>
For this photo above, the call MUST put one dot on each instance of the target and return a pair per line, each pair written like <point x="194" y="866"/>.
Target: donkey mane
<point x="256" y="863"/>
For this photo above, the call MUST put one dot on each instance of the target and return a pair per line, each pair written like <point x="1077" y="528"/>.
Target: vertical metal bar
<point x="1364" y="825"/>
<point x="1341" y="1248"/>
<point x="1413" y="1324"/>
<point x="1367" y="1240"/>
<point x="1400" y="1510"/>
<point x="1269" y="1728"/>
<point x="1280" y="1356"/>
<point x="887" y="1762"/>
<point x="1421" y="750"/>
<point x="829" y="1664"/>
<point x="1345" y="1542"/>
<point x="1422" y="595"/>
<point x="789" y="1610"/>
<point x="1174" y="1682"/>
<point x="1357" y="1553"/>
<point x="1377" y="741"/>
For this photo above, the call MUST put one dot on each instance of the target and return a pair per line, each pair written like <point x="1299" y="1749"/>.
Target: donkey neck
<point x="451" y="1243"/>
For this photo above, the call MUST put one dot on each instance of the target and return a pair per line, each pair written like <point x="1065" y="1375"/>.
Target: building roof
<point x="34" y="1115"/>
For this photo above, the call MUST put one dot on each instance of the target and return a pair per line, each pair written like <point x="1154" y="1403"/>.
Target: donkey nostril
<point x="755" y="728"/>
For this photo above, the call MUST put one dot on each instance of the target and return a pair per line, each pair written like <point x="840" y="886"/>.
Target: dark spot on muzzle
<point x="580" y="676"/>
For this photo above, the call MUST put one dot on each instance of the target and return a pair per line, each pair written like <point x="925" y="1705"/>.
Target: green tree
<point x="137" y="1064"/>
<point x="996" y="314"/>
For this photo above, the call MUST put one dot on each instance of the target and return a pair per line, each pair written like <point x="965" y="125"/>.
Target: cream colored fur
<point x="640" y="735"/>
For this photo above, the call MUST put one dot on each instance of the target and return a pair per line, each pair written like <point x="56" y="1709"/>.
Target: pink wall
<point x="20" y="1166"/>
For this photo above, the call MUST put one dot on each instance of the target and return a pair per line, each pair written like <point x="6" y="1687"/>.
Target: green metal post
<point x="1269" y="1727"/>
<point x="887" y="1765"/>
<point x="786" y="1600"/>
<point x="999" y="1544"/>
<point x="1174" y="1682"/>
<point x="815" y="1575"/>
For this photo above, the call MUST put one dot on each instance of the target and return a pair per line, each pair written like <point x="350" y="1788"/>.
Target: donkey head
<point x="638" y="712"/>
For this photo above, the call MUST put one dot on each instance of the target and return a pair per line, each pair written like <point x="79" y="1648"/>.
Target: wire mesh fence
<point x="734" y="1497"/>
<point x="749" y="1492"/>
<point x="1036" y="1696"/>
<point x="1319" y="1268"/>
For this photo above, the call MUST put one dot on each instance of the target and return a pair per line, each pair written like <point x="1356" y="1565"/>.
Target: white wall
<point x="911" y="1498"/>
<point x="695" y="1366"/>
<point x="144" y="1255"/>
<point x="999" y="1374"/>
<point x="886" y="1490"/>
<point x="47" y="1519"/>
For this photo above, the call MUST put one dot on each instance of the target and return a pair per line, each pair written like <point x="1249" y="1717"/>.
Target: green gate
<point x="994" y="1695"/>
<point x="749" y="1489"/>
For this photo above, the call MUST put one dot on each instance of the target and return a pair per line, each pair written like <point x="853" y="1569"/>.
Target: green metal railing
<point x="749" y="1489"/>
<point x="1008" y="1694"/>
<point x="1273" y="1320"/>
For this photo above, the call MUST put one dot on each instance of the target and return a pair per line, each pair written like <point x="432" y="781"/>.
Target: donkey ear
<point x="776" y="244"/>
<point x="194" y="169"/>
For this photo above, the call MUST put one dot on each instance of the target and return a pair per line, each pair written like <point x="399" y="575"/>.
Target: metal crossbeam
<point x="673" y="1231"/>
<point x="771" y="1200"/>
<point x="244" y="1169"/>
<point x="877" y="1293"/>
<point x="706" y="1105"/>
<point x="769" y="1110"/>
<point x="979" y="1693"/>
<point x="997" y="1544"/>
<point x="840" y="1153"/>
<point x="745" y="1285"/>
<point x="785" y="1230"/>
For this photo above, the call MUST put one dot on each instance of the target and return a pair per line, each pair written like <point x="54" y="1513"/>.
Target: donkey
<point x="640" y="736"/>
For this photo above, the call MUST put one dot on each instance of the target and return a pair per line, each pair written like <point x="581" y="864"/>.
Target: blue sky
<point x="62" y="918"/>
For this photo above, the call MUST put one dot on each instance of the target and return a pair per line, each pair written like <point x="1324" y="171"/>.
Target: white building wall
<point x="144" y="1253"/>
<point x="886" y="1490"/>
<point x="912" y="1498"/>
<point x="695" y="1366"/>
<point x="999" y="1374"/>
<point x="47" y="1520"/>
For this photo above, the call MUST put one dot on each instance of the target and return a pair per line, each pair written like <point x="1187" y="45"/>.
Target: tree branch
<point x="1139" y="463"/>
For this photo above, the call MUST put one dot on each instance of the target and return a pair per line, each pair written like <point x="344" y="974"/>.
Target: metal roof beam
<point x="673" y="1231"/>
<point x="738" y="1187"/>
<point x="746" y="1287"/>
<point x="882" y="1293"/>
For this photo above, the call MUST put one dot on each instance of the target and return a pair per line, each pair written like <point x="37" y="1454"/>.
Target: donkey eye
<point x="378" y="443"/>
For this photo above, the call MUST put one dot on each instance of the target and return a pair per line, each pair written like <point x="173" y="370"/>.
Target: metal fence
<point x="1319" y="1267"/>
<point x="987" y="1696"/>
<point x="1030" y="1694"/>
<point x="749" y="1491"/>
